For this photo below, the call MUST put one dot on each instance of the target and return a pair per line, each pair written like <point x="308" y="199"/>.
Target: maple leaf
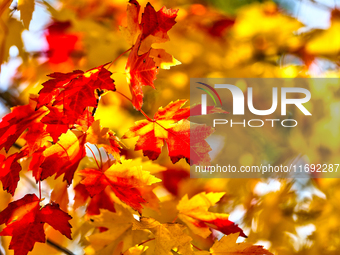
<point x="155" y="26"/>
<point x="170" y="236"/>
<point x="36" y="137"/>
<point x="102" y="200"/>
<point x="16" y="122"/>
<point x="56" y="122"/>
<point x="133" y="28"/>
<point x="141" y="71"/>
<point x="228" y="246"/>
<point x="125" y="180"/>
<point x="9" y="171"/>
<point x="194" y="212"/>
<point x="104" y="137"/>
<point x="184" y="139"/>
<point x="60" y="158"/>
<point x="167" y="236"/>
<point x="75" y="91"/>
<point x="118" y="225"/>
<point x="25" y="221"/>
<point x="85" y="121"/>
<point x="143" y="61"/>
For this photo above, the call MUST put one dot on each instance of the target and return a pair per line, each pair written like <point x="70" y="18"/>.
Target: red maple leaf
<point x="56" y="122"/>
<point x="126" y="180"/>
<point x="75" y="91"/>
<point x="142" y="72"/>
<point x="170" y="126"/>
<point x="25" y="221"/>
<point x="103" y="200"/>
<point x="16" y="122"/>
<point x="157" y="23"/>
<point x="141" y="67"/>
<point x="9" y="171"/>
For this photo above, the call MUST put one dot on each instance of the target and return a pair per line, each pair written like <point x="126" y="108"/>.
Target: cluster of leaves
<point x="291" y="216"/>
<point x="57" y="126"/>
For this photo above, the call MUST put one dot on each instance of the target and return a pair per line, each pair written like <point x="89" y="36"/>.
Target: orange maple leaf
<point x="170" y="126"/>
<point x="126" y="180"/>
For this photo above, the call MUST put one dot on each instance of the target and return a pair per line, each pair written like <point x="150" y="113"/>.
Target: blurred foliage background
<point x="219" y="38"/>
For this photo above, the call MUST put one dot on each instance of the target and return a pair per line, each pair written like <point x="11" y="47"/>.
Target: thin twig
<point x="17" y="146"/>
<point x="120" y="93"/>
<point x="146" y="241"/>
<point x="141" y="111"/>
<point x="196" y="247"/>
<point x="58" y="247"/>
<point x="39" y="190"/>
<point x="118" y="58"/>
<point x="146" y="116"/>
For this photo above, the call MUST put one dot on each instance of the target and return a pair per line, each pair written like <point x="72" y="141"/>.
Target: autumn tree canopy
<point x="97" y="137"/>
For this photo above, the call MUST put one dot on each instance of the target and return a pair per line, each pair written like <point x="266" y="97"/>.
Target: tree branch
<point x="58" y="247"/>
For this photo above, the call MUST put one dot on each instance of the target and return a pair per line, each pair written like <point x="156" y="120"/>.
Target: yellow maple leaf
<point x="194" y="213"/>
<point x="132" y="30"/>
<point x="228" y="246"/>
<point x="118" y="225"/>
<point x="168" y="237"/>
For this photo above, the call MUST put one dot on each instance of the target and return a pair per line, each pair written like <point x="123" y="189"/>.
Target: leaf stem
<point x="94" y="156"/>
<point x="146" y="116"/>
<point x="146" y="241"/>
<point x="39" y="190"/>
<point x="120" y="93"/>
<point x="141" y="111"/>
<point x="118" y="58"/>
<point x="58" y="247"/>
<point x="196" y="247"/>
<point x="100" y="156"/>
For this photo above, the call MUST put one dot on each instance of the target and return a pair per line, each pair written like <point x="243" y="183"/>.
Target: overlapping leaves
<point x="170" y="126"/>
